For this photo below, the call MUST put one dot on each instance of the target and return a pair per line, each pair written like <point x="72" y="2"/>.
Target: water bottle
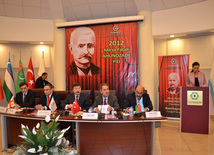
<point x="90" y="110"/>
<point x="131" y="111"/>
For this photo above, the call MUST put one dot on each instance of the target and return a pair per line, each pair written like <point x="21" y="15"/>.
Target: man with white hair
<point x="82" y="44"/>
<point x="174" y="81"/>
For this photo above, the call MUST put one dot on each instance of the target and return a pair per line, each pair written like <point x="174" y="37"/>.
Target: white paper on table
<point x="103" y="108"/>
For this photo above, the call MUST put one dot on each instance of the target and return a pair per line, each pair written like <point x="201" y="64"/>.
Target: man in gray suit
<point x="105" y="99"/>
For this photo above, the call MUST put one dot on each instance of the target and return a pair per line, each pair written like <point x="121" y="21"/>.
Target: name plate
<point x="90" y="116"/>
<point x="11" y="111"/>
<point x="3" y="109"/>
<point x="153" y="114"/>
<point x="43" y="112"/>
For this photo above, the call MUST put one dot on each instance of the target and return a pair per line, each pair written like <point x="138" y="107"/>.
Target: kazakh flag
<point x="139" y="106"/>
<point x="20" y="77"/>
<point x="9" y="86"/>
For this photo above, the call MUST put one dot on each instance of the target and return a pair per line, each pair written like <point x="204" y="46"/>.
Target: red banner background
<point x="116" y="54"/>
<point x="169" y="103"/>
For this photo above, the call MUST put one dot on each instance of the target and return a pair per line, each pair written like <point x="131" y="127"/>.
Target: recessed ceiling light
<point x="41" y="42"/>
<point x="172" y="36"/>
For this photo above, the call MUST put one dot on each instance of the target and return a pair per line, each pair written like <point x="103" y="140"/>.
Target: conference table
<point x="128" y="135"/>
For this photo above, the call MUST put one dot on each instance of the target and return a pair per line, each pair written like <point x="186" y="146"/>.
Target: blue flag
<point x="211" y="80"/>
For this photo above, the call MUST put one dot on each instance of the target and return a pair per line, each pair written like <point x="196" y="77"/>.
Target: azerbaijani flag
<point x="20" y="76"/>
<point x="9" y="86"/>
<point x="139" y="106"/>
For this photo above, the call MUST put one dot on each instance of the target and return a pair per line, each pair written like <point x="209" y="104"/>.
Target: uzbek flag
<point x="139" y="106"/>
<point x="20" y="76"/>
<point x="9" y="86"/>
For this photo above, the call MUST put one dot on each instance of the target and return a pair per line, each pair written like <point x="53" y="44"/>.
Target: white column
<point x="146" y="54"/>
<point x="58" y="57"/>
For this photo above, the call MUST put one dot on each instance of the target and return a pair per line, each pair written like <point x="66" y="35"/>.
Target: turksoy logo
<point x="194" y="95"/>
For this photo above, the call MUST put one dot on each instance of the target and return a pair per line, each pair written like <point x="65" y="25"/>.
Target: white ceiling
<point x="73" y="10"/>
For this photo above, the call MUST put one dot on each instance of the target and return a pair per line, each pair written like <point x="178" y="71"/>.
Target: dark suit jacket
<point x="94" y="69"/>
<point x="131" y="101"/>
<point x="29" y="99"/>
<point x="43" y="100"/>
<point x="83" y="102"/>
<point x="112" y="101"/>
<point x="40" y="83"/>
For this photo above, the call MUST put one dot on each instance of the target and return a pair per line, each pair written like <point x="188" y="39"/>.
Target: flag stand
<point x="75" y="116"/>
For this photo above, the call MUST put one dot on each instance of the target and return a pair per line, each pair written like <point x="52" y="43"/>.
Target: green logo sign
<point x="194" y="95"/>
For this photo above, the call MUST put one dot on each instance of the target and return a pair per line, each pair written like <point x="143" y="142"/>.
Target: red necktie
<point x="77" y="98"/>
<point x="48" y="101"/>
<point x="104" y="102"/>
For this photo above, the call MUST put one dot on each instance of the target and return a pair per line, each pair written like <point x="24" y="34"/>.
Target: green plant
<point x="44" y="138"/>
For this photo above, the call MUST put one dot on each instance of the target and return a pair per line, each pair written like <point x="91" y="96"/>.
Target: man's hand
<point x="109" y="108"/>
<point x="16" y="106"/>
<point x="97" y="110"/>
<point x="69" y="106"/>
<point x="38" y="107"/>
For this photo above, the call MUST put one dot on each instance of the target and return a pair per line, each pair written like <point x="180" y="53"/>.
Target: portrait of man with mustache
<point x="82" y="45"/>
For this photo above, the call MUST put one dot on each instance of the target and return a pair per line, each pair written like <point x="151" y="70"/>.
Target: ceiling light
<point x="171" y="36"/>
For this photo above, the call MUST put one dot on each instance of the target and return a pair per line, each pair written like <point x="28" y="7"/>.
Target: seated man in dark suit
<point x="45" y="99"/>
<point x="132" y="99"/>
<point x="41" y="81"/>
<point x="105" y="99"/>
<point x="83" y="99"/>
<point x="25" y="98"/>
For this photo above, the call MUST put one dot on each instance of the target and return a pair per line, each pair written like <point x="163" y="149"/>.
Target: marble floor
<point x="170" y="141"/>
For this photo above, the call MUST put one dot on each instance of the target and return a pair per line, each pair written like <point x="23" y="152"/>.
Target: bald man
<point x="82" y="44"/>
<point x="134" y="97"/>
<point x="174" y="81"/>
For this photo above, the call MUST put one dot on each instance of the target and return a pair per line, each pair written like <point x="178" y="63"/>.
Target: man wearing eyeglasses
<point x="105" y="99"/>
<point x="45" y="99"/>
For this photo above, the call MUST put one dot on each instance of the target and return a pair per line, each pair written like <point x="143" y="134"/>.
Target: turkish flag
<point x="1" y="91"/>
<point x="30" y="75"/>
<point x="75" y="108"/>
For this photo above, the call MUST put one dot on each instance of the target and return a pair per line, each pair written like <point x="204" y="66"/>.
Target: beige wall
<point x="186" y="19"/>
<point x="201" y="49"/>
<point x="25" y="30"/>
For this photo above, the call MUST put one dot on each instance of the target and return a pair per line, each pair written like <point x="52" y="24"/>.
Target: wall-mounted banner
<point x="173" y="72"/>
<point x="102" y="53"/>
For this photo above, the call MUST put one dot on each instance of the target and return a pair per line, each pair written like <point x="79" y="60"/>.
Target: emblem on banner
<point x="115" y="28"/>
<point x="173" y="61"/>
